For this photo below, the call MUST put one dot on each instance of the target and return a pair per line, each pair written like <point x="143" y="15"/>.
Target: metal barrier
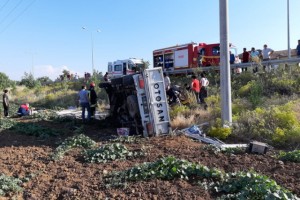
<point x="238" y="65"/>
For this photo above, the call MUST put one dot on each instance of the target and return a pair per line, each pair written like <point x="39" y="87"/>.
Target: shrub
<point x="178" y="109"/>
<point x="9" y="184"/>
<point x="219" y="131"/>
<point x="277" y="125"/>
<point x="292" y="156"/>
<point x="283" y="85"/>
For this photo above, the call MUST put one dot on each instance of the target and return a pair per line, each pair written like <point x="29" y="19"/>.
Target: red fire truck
<point x="187" y="56"/>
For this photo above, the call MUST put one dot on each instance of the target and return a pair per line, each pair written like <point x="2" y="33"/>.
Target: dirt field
<point x="72" y="178"/>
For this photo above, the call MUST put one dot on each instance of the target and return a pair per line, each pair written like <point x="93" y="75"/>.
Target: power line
<point x="4" y="5"/>
<point x="11" y="11"/>
<point x="21" y="13"/>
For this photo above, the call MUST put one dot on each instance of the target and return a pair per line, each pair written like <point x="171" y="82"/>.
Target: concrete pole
<point x="92" y="41"/>
<point x="226" y="111"/>
<point x="288" y="28"/>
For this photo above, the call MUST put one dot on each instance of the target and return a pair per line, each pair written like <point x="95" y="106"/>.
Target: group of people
<point x="22" y="111"/>
<point x="198" y="87"/>
<point x="265" y="55"/>
<point x="254" y="56"/>
<point x="88" y="101"/>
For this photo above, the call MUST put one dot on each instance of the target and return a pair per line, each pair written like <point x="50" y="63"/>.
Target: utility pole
<point x="288" y="28"/>
<point x="226" y="111"/>
<point x="92" y="45"/>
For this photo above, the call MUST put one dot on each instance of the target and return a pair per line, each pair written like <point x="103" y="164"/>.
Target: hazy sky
<point x="46" y="36"/>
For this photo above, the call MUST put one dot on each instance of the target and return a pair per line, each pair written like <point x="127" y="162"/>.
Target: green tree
<point x="44" y="80"/>
<point x="29" y="81"/>
<point x="5" y="82"/>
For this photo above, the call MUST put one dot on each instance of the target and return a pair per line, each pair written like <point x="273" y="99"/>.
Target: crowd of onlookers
<point x="255" y="56"/>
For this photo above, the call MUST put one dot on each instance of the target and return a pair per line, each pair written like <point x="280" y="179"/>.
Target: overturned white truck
<point x="138" y="102"/>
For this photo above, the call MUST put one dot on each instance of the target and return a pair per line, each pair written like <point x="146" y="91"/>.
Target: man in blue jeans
<point x="83" y="97"/>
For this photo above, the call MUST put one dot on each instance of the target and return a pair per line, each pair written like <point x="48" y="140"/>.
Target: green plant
<point x="178" y="109"/>
<point x="127" y="139"/>
<point x="256" y="93"/>
<point x="29" y="81"/>
<point x="219" y="131"/>
<point x="73" y="142"/>
<point x="9" y="184"/>
<point x="292" y="156"/>
<point x="110" y="152"/>
<point x="241" y="185"/>
<point x="234" y="150"/>
<point x="6" y="123"/>
<point x="35" y="130"/>
<point x="250" y="185"/>
<point x="164" y="168"/>
<point x="276" y="125"/>
<point x="5" y="82"/>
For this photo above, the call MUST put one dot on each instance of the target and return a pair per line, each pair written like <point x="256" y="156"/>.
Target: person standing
<point x="246" y="58"/>
<point x="195" y="86"/>
<point x="203" y="90"/>
<point x="105" y="76"/>
<point x="298" y="48"/>
<point x="83" y="97"/>
<point x="231" y="57"/>
<point x="169" y="91"/>
<point x="5" y="103"/>
<point x="254" y="55"/>
<point x="266" y="54"/>
<point x="93" y="99"/>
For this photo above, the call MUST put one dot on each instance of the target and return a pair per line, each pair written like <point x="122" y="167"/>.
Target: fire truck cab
<point x="120" y="68"/>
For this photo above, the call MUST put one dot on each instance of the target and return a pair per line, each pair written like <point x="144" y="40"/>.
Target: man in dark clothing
<point x="5" y="103"/>
<point x="93" y="99"/>
<point x="246" y="57"/>
<point x="298" y="48"/>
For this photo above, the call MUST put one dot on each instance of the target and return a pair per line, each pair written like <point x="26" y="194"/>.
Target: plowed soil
<point x="72" y="178"/>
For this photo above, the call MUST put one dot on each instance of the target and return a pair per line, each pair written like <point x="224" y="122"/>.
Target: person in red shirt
<point x="246" y="58"/>
<point x="24" y="110"/>
<point x="195" y="86"/>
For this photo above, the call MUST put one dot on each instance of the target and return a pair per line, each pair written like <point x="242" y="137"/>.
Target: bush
<point x="177" y="109"/>
<point x="219" y="131"/>
<point x="278" y="125"/>
<point x="293" y="156"/>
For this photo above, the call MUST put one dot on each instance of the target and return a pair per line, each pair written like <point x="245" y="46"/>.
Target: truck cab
<point x="124" y="67"/>
<point x="138" y="102"/>
<point x="209" y="54"/>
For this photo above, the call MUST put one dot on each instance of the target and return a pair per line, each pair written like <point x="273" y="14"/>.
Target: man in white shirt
<point x="266" y="54"/>
<point x="167" y="82"/>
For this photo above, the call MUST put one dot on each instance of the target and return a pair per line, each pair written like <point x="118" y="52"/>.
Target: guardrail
<point x="239" y="65"/>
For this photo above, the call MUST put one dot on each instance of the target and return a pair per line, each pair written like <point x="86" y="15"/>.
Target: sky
<point x="44" y="37"/>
